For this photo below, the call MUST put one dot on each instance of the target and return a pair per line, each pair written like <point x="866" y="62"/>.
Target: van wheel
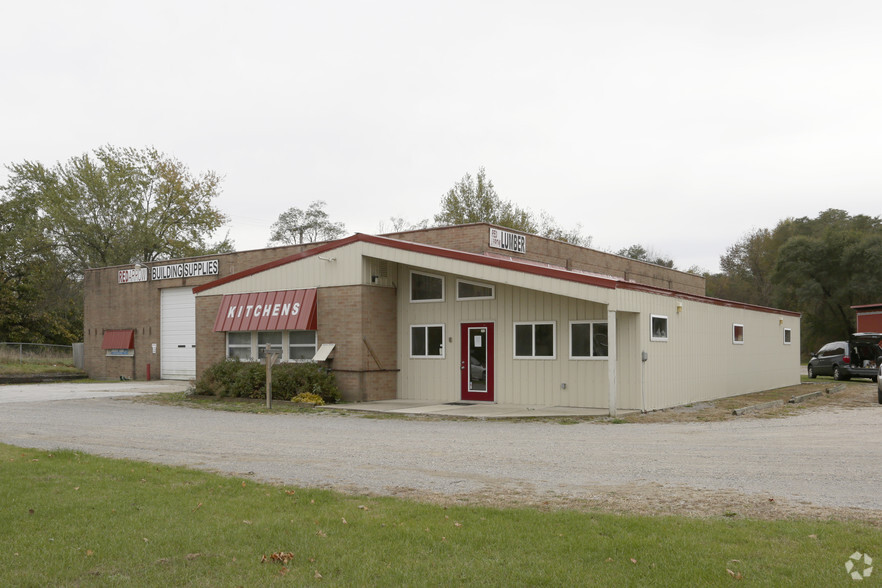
<point x="811" y="372"/>
<point x="836" y="373"/>
<point x="880" y="395"/>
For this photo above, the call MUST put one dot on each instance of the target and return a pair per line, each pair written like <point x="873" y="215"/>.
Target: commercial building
<point x="473" y="313"/>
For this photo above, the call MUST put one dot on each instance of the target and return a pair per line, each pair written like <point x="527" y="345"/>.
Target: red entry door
<point x="476" y="361"/>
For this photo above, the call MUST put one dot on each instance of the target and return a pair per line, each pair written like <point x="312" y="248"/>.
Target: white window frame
<point x="652" y="335"/>
<point x="255" y="340"/>
<point x="788" y="335"/>
<point x="533" y="324"/>
<point x="410" y="286"/>
<point x="241" y="346"/>
<point x="286" y="341"/>
<point x="254" y="348"/>
<point x="590" y="355"/>
<point x="734" y="340"/>
<point x="443" y="342"/>
<point x="474" y="283"/>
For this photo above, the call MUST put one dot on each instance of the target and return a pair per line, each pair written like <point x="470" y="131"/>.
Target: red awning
<point x="287" y="310"/>
<point x="119" y="339"/>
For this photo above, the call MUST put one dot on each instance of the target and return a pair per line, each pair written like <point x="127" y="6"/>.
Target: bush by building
<point x="244" y="379"/>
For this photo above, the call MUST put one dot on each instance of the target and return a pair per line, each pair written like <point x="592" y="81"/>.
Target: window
<point x="473" y="291"/>
<point x="786" y="336"/>
<point x="588" y="339"/>
<point x="301" y="345"/>
<point x="288" y="345"/>
<point x="426" y="288"/>
<point x="274" y="339"/>
<point x="738" y="334"/>
<point x="658" y="325"/>
<point x="534" y="340"/>
<point x="239" y="345"/>
<point x="427" y="341"/>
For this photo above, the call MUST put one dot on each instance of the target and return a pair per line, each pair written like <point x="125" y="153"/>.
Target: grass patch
<point x="34" y="367"/>
<point x="70" y="519"/>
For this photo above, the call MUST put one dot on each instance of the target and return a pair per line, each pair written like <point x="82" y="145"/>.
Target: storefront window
<point x="427" y="341"/>
<point x="588" y="339"/>
<point x="273" y="338"/>
<point x="534" y="340"/>
<point x="301" y="345"/>
<point x="239" y="345"/>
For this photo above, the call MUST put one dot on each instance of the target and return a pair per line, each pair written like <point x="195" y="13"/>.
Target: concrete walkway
<point x="476" y="410"/>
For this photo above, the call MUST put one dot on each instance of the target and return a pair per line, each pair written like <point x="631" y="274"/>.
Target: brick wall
<point x="475" y="238"/>
<point x="111" y="305"/>
<point x="211" y="346"/>
<point x="360" y="320"/>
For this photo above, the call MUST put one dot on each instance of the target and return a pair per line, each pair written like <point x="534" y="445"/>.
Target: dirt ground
<point x="853" y="394"/>
<point x="660" y="500"/>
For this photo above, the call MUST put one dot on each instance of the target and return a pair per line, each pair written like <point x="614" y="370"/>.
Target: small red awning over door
<point x="119" y="339"/>
<point x="286" y="310"/>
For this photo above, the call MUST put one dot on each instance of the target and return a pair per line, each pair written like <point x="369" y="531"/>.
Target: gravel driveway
<point x="822" y="463"/>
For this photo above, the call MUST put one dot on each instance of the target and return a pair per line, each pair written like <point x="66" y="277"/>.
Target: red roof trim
<point x="118" y="339"/>
<point x="487" y="260"/>
<point x="867" y="306"/>
<point x="276" y="263"/>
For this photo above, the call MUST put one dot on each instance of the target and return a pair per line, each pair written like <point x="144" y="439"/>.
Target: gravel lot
<point x="824" y="463"/>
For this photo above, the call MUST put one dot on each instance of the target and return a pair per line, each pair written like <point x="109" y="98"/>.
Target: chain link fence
<point x="38" y="353"/>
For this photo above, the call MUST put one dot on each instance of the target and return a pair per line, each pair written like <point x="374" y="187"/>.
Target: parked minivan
<point x="859" y="357"/>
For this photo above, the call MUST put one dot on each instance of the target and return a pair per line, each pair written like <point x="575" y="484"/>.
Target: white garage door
<point x="178" y="334"/>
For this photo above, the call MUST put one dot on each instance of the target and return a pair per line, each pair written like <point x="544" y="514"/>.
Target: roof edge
<point x="508" y="264"/>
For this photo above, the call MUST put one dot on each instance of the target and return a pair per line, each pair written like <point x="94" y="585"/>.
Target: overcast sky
<point x="681" y="125"/>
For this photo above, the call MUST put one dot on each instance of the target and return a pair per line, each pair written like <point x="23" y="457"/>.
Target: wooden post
<point x="270" y="359"/>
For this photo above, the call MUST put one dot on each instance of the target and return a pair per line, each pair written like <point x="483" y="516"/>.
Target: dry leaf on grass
<point x="282" y="557"/>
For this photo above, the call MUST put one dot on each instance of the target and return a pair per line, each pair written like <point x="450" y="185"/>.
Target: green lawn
<point x="69" y="519"/>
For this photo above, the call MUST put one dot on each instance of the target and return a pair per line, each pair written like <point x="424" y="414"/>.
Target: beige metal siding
<point x="340" y="267"/>
<point x="628" y="364"/>
<point x="517" y="381"/>
<point x="700" y="362"/>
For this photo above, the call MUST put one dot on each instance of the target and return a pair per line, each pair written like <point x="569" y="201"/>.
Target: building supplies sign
<point x="184" y="270"/>
<point x="508" y="241"/>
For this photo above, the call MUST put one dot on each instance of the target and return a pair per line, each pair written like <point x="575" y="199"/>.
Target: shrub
<point x="250" y="381"/>
<point x="308" y="398"/>
<point x="216" y="379"/>
<point x="241" y="379"/>
<point x="291" y="379"/>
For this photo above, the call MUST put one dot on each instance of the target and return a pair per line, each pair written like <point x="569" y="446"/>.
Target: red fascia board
<point x="867" y="307"/>
<point x="503" y="263"/>
<point x="118" y="339"/>
<point x="416" y="248"/>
